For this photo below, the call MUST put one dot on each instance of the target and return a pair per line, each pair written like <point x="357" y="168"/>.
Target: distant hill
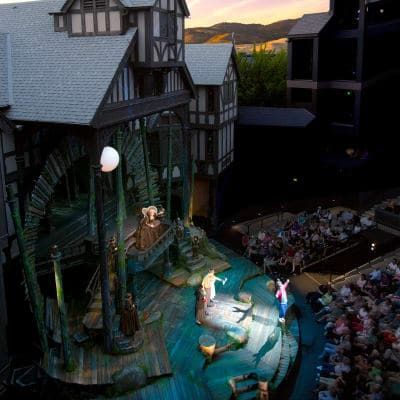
<point x="244" y="33"/>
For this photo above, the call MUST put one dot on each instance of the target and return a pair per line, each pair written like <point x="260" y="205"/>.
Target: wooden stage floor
<point x="192" y="378"/>
<point x="177" y="369"/>
<point x="96" y="368"/>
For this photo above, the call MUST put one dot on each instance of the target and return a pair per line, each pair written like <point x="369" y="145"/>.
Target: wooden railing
<point x="143" y="259"/>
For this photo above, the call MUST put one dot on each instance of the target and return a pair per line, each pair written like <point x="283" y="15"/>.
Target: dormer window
<point x="90" y="5"/>
<point x="60" y="22"/>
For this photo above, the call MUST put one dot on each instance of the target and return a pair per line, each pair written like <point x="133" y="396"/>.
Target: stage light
<point x="373" y="246"/>
<point x="295" y="180"/>
<point x="109" y="159"/>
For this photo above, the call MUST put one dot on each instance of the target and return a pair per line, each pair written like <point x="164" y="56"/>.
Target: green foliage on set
<point x="262" y="78"/>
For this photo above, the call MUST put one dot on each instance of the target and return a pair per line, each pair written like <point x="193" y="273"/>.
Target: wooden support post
<point x="192" y="183"/>
<point x="104" y="277"/>
<point x="185" y="173"/>
<point x="121" y="215"/>
<point x="68" y="189"/>
<point x="92" y="205"/>
<point x="143" y="132"/>
<point x="167" y="263"/>
<point x="35" y="295"/>
<point x="69" y="363"/>
<point x="169" y="171"/>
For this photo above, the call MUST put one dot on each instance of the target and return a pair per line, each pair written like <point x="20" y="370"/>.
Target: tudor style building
<point x="76" y="76"/>
<point x="212" y="119"/>
<point x="343" y="66"/>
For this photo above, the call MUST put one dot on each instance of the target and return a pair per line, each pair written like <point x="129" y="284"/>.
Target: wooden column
<point x="143" y="132"/>
<point x="185" y="173"/>
<point x="92" y="205"/>
<point x="192" y="184"/>
<point x="34" y="293"/>
<point x="169" y="171"/>
<point x="69" y="363"/>
<point x="121" y="216"/>
<point x="101" y="234"/>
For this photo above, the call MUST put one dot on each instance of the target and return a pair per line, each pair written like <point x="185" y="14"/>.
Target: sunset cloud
<point x="209" y="12"/>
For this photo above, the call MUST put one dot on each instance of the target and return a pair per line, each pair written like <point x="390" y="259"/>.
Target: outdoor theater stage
<point x="171" y="355"/>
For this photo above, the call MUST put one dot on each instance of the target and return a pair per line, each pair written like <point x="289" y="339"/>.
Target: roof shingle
<point x="310" y="24"/>
<point x="5" y="88"/>
<point x="275" y="117"/>
<point x="207" y="63"/>
<point x="56" y="78"/>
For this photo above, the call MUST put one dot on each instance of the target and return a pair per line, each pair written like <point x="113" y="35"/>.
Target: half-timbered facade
<point x="212" y="117"/>
<point x="76" y="76"/>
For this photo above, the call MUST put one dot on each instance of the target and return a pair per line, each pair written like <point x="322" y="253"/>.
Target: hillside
<point x="244" y="33"/>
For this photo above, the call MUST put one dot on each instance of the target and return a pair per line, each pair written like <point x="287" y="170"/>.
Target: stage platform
<point x="176" y="369"/>
<point x="96" y="368"/>
<point x="270" y="351"/>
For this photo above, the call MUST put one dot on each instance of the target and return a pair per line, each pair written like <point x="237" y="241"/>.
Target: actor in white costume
<point x="209" y="284"/>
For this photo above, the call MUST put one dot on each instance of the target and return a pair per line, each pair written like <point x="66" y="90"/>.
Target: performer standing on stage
<point x="281" y="295"/>
<point x="201" y="302"/>
<point x="209" y="284"/>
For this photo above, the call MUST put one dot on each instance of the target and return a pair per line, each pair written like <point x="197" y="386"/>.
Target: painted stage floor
<point x="270" y="350"/>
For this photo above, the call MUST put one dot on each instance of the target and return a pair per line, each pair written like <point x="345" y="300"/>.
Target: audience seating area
<point x="305" y="239"/>
<point x="361" y="315"/>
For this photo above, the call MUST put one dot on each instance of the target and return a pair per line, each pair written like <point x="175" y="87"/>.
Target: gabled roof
<point x="310" y="24"/>
<point x="66" y="4"/>
<point x="275" y="117"/>
<point x="56" y="78"/>
<point x="5" y="70"/>
<point x="207" y="63"/>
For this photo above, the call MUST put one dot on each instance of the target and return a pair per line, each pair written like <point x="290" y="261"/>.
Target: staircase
<point x="141" y="260"/>
<point x="133" y="151"/>
<point x="193" y="264"/>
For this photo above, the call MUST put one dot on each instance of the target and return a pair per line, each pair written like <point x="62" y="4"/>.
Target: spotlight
<point x="373" y="246"/>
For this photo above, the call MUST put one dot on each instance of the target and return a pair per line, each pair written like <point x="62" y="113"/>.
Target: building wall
<point x="3" y="243"/>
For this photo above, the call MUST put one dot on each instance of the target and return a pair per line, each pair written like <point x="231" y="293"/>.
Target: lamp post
<point x="109" y="160"/>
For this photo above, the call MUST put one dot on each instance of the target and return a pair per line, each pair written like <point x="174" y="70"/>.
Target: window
<point x="229" y="91"/>
<point x="164" y="20"/>
<point x="88" y="5"/>
<point x="210" y="100"/>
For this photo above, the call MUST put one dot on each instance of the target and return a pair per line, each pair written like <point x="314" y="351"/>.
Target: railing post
<point x="69" y="363"/>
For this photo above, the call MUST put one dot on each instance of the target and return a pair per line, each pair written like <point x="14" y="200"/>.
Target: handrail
<point x="141" y="254"/>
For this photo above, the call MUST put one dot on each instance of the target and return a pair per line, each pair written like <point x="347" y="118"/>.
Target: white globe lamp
<point x="109" y="159"/>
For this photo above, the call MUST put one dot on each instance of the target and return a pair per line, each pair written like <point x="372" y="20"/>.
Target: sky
<point x="210" y="12"/>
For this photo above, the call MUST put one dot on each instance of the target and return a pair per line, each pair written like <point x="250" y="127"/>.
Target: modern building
<point x="343" y="67"/>
<point x="212" y="117"/>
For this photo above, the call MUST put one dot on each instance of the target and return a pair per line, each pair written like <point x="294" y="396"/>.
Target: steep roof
<point x="207" y="63"/>
<point x="310" y="24"/>
<point x="56" y="78"/>
<point x="275" y="117"/>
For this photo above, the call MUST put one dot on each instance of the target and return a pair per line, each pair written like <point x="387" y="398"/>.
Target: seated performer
<point x="209" y="284"/>
<point x="150" y="228"/>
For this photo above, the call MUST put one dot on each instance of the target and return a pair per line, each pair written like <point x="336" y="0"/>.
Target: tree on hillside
<point x="262" y="78"/>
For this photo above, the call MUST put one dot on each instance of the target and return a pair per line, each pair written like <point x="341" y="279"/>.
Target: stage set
<point x="240" y="349"/>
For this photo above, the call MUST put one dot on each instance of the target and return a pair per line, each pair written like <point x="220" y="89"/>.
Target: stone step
<point x="195" y="266"/>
